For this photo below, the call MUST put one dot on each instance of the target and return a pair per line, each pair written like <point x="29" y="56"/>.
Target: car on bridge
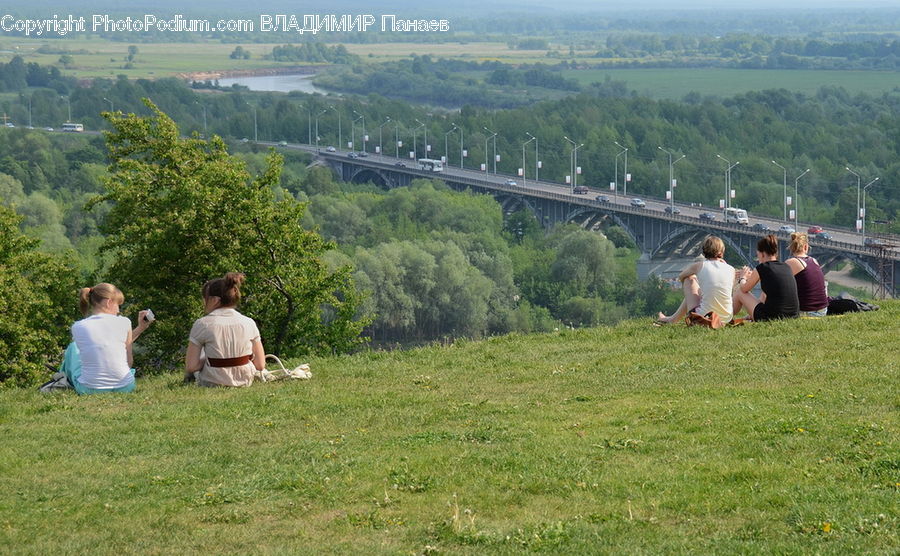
<point x="362" y="154"/>
<point x="282" y="143"/>
<point x="400" y="164"/>
<point x="638" y="203"/>
<point x="760" y="227"/>
<point x="672" y="210"/>
<point x="512" y="183"/>
<point x="825" y="236"/>
<point x="815" y="230"/>
<point x="708" y="216"/>
<point x="786" y="229"/>
<point x="602" y="198"/>
<point x="330" y="149"/>
<point x="874" y="242"/>
<point x="580" y="190"/>
<point x="352" y="154"/>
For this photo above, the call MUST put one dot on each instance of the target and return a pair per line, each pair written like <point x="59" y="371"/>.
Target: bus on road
<point x="430" y="165"/>
<point x="69" y="126"/>
<point x="737" y="216"/>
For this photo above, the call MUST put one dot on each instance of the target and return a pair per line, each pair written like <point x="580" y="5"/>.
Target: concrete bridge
<point x="666" y="240"/>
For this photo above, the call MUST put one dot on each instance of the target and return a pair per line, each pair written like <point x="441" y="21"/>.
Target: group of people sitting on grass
<point x="790" y="289"/>
<point x="224" y="346"/>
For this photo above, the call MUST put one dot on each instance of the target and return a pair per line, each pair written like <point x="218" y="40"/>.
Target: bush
<point x="37" y="304"/>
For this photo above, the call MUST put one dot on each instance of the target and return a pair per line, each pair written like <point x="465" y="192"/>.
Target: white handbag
<point x="266" y="375"/>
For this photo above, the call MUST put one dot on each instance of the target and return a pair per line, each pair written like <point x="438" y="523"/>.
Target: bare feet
<point x="662" y="319"/>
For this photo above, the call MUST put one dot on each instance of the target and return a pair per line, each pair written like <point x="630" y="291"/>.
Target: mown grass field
<point x="778" y="438"/>
<point x="675" y="83"/>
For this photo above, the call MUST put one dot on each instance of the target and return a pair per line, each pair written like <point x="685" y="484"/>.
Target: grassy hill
<point x="767" y="438"/>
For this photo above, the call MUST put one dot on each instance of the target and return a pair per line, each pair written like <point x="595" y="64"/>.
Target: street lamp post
<point x="380" y="147"/>
<point x="340" y="137"/>
<point x="363" y="118"/>
<point x="29" y="111"/>
<point x="353" y="131"/>
<point x="461" y="149"/>
<point x="446" y="148"/>
<point x="616" y="182"/>
<point x="523" y="157"/>
<point x="69" y="106"/>
<point x="784" y="199"/>
<point x="797" y="198"/>
<point x="573" y="161"/>
<point x="317" y="128"/>
<point x="856" y="218"/>
<point x="863" y="213"/>
<point x="397" y="140"/>
<point x="671" y="177"/>
<point x="415" y="143"/>
<point x="110" y="104"/>
<point x="486" y="140"/>
<point x="425" y="135"/>
<point x="537" y="161"/>
<point x="728" y="178"/>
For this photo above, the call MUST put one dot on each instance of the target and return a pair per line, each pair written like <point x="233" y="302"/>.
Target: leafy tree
<point x="239" y="53"/>
<point x="585" y="261"/>
<point x="37" y="302"/>
<point x="11" y="190"/>
<point x="186" y="211"/>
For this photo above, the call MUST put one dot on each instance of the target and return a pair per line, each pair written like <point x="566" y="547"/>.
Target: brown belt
<point x="231" y="362"/>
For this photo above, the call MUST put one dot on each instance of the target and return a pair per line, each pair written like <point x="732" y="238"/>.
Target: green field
<point x="676" y="83"/>
<point x="779" y="438"/>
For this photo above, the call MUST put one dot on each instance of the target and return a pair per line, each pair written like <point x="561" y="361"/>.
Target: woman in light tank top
<point x="707" y="285"/>
<point x="810" y="279"/>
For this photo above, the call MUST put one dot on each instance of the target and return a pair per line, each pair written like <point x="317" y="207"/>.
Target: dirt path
<point x="838" y="278"/>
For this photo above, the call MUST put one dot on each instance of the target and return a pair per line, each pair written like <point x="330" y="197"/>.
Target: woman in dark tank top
<point x="809" y="277"/>
<point x="776" y="279"/>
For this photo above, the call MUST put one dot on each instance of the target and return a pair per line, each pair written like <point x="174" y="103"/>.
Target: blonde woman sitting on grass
<point x="99" y="360"/>
<point x="810" y="279"/>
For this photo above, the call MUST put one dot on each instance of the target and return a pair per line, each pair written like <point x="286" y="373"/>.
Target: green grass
<point x="665" y="83"/>
<point x="768" y="438"/>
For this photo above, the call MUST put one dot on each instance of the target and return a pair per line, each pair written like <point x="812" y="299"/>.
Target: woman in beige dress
<point x="224" y="347"/>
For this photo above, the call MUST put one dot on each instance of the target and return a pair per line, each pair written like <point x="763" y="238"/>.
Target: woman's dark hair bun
<point x="234" y="279"/>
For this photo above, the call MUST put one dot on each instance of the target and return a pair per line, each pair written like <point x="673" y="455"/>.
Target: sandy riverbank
<point x="212" y="75"/>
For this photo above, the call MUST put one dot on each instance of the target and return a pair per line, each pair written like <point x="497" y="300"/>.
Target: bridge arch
<point x="370" y="175"/>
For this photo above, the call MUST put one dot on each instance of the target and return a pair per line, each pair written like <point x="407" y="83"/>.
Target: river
<point x="276" y="83"/>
